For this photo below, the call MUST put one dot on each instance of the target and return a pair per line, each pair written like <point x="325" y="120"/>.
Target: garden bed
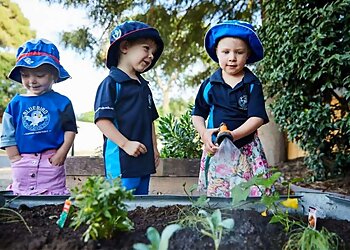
<point x="251" y="231"/>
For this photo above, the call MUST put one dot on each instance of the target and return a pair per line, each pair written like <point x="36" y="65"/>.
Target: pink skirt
<point x="34" y="175"/>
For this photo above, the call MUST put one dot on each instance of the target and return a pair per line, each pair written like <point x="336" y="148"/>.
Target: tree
<point x="14" y="31"/>
<point x="182" y="25"/>
<point x="306" y="73"/>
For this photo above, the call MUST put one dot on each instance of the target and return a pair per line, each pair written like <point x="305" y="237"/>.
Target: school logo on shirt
<point x="35" y="118"/>
<point x="243" y="102"/>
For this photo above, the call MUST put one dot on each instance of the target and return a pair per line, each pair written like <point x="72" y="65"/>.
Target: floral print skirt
<point x="230" y="166"/>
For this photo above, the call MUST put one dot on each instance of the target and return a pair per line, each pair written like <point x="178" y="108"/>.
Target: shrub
<point x="305" y="72"/>
<point x="86" y="117"/>
<point x="179" y="137"/>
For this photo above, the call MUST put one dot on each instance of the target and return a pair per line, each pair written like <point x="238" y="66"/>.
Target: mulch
<point x="297" y="169"/>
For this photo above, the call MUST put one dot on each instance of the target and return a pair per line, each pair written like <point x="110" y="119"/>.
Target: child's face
<point x="38" y="80"/>
<point x="232" y="54"/>
<point x="138" y="55"/>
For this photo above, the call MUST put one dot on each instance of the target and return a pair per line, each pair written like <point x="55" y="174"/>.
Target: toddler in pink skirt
<point x="39" y="126"/>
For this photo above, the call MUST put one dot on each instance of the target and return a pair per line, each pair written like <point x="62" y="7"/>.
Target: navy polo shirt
<point x="129" y="104"/>
<point x="219" y="102"/>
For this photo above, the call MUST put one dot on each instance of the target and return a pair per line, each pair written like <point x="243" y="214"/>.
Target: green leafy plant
<point x="100" y="205"/>
<point x="271" y="201"/>
<point x="301" y="236"/>
<point x="179" y="137"/>
<point x="158" y="242"/>
<point x="214" y="226"/>
<point x="241" y="191"/>
<point x="198" y="218"/>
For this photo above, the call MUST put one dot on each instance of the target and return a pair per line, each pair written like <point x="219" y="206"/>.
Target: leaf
<point x="275" y="219"/>
<point x="228" y="223"/>
<point x="153" y="236"/>
<point x="107" y="214"/>
<point x="239" y="194"/>
<point x="216" y="217"/>
<point x="202" y="201"/>
<point x="295" y="180"/>
<point x="140" y="246"/>
<point x="202" y="212"/>
<point x="168" y="231"/>
<point x="268" y="182"/>
<point x="193" y="188"/>
<point x="269" y="200"/>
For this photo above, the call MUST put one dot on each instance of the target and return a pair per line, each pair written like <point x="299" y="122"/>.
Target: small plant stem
<point x="189" y="197"/>
<point x="20" y="216"/>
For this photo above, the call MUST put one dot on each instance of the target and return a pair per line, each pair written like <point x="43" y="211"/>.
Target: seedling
<point x="214" y="226"/>
<point x="100" y="205"/>
<point x="158" y="242"/>
<point x="302" y="236"/>
<point x="308" y="238"/>
<point x="202" y="200"/>
<point x="8" y="215"/>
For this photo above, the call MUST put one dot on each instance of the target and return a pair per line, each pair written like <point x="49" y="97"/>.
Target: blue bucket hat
<point x="132" y="30"/>
<point x="234" y="28"/>
<point x="35" y="53"/>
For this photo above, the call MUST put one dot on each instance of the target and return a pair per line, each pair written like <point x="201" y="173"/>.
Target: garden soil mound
<point x="251" y="231"/>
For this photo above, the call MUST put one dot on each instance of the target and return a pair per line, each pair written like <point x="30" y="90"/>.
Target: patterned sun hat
<point x="35" y="53"/>
<point x="132" y="30"/>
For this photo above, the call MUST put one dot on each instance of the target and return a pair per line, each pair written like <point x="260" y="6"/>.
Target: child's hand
<point x="134" y="148"/>
<point x="156" y="157"/>
<point x="209" y="146"/>
<point x="58" y="159"/>
<point x="15" y="158"/>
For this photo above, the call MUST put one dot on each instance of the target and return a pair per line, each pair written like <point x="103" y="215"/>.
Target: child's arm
<point x="132" y="148"/>
<point x="61" y="154"/>
<point x="8" y="138"/>
<point x="252" y="124"/>
<point x="155" y="148"/>
<point x="13" y="153"/>
<point x="205" y="134"/>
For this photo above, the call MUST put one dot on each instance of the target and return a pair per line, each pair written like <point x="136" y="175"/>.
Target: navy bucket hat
<point x="132" y="30"/>
<point x="234" y="28"/>
<point x="35" y="53"/>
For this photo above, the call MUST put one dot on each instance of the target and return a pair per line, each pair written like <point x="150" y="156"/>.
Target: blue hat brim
<point x="113" y="50"/>
<point x="233" y="29"/>
<point x="36" y="61"/>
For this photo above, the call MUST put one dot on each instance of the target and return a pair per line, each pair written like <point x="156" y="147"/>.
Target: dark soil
<point x="251" y="231"/>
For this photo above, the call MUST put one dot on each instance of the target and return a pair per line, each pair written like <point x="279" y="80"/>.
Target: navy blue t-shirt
<point x="129" y="105"/>
<point x="219" y="102"/>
